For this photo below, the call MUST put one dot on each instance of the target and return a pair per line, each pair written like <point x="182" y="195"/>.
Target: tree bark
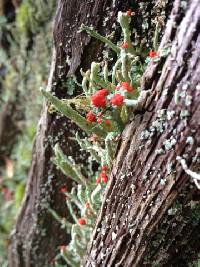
<point x="36" y="236"/>
<point x="8" y="129"/>
<point x="141" y="211"/>
<point x="150" y="214"/>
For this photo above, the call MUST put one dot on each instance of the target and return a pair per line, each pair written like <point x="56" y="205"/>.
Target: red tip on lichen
<point x="152" y="54"/>
<point x="91" y="117"/>
<point x="105" y="179"/>
<point x="81" y="221"/>
<point x="98" y="98"/>
<point x="127" y="87"/>
<point x="108" y="122"/>
<point x="104" y="168"/>
<point x="129" y="13"/>
<point x="117" y="100"/>
<point x="124" y="45"/>
<point x="98" y="180"/>
<point x="63" y="189"/>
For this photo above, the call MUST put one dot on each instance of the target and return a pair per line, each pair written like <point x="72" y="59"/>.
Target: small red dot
<point x="105" y="179"/>
<point x="98" y="180"/>
<point x="81" y="221"/>
<point x="104" y="168"/>
<point x="124" y="45"/>
<point x="63" y="189"/>
<point x="108" y="122"/>
<point x="129" y="13"/>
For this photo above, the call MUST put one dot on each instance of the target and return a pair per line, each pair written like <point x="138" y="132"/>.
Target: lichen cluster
<point x="107" y="97"/>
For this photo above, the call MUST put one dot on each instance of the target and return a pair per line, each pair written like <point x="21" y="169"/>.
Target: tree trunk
<point x="150" y="214"/>
<point x="139" y="212"/>
<point x="36" y="236"/>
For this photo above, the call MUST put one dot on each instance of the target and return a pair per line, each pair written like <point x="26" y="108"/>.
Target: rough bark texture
<point x="9" y="130"/>
<point x="37" y="235"/>
<point x="150" y="215"/>
<point x="144" y="204"/>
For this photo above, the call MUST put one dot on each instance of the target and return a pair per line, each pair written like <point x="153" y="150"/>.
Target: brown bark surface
<point x="9" y="130"/>
<point x="136" y="225"/>
<point x="137" y="206"/>
<point x="37" y="235"/>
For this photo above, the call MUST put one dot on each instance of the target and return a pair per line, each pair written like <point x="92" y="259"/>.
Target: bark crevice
<point x="140" y="172"/>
